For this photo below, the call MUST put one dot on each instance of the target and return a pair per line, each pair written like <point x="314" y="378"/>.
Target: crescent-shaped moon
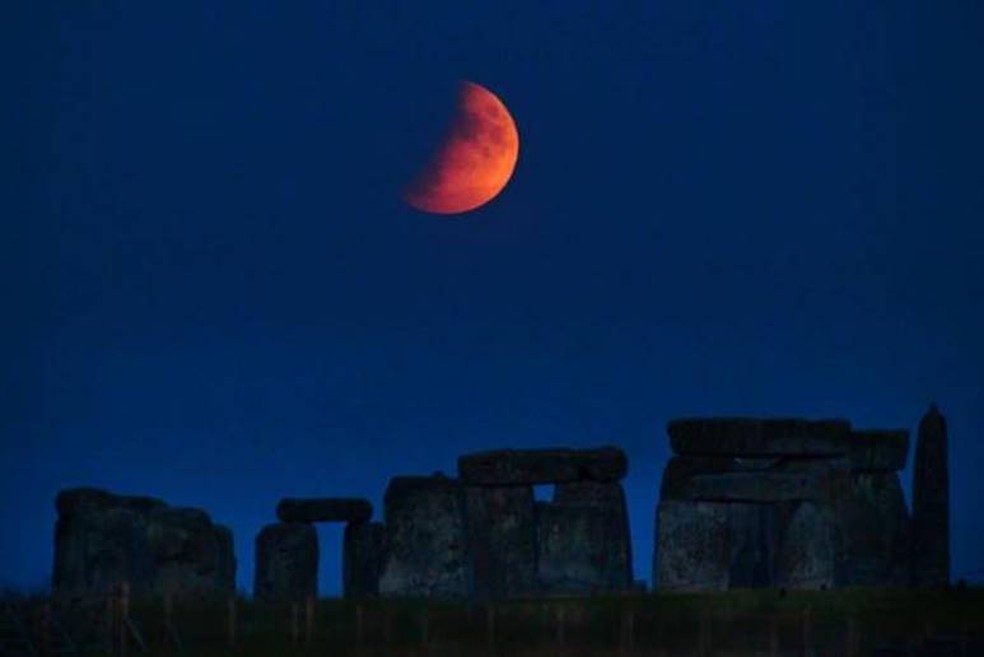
<point x="475" y="160"/>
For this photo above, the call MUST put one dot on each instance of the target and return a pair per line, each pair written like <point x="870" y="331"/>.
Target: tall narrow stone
<point x="286" y="562"/>
<point x="610" y="498"/>
<point x="362" y="559"/>
<point x="931" y="503"/>
<point x="502" y="540"/>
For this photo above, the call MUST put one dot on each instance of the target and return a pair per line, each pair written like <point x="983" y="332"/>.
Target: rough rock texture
<point x="874" y="532"/>
<point x="363" y="555"/>
<point x="542" y="466"/>
<point x="102" y="538"/>
<point x="693" y="552"/>
<point x="324" y="509"/>
<point x="502" y="540"/>
<point x="610" y="497"/>
<point x="427" y="553"/>
<point x="757" y="437"/>
<point x="571" y="548"/>
<point x="808" y="548"/>
<point x="286" y="562"/>
<point x="715" y="546"/>
<point x="931" y="503"/>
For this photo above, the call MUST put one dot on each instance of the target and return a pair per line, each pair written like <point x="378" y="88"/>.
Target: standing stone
<point x="752" y="539"/>
<point x="502" y="540"/>
<point x="808" y="548"/>
<point x="693" y="551"/>
<point x="286" y="562"/>
<point x="931" y="503"/>
<point x="363" y="555"/>
<point x="610" y="498"/>
<point x="874" y="531"/>
<point x="517" y="467"/>
<point x="102" y="538"/>
<point x="427" y="542"/>
<point x="571" y="548"/>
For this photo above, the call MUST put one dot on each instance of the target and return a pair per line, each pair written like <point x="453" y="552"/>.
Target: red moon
<point x="475" y="160"/>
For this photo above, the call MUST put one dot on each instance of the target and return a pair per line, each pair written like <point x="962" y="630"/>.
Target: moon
<point x="475" y="159"/>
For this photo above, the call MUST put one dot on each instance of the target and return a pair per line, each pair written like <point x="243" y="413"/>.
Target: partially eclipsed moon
<point x="475" y="160"/>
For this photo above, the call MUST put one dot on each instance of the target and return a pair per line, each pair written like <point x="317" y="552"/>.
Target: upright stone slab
<point x="102" y="538"/>
<point x="512" y="467"/>
<point x="693" y="552"/>
<point x="808" y="548"/>
<point x="610" y="498"/>
<point x="571" y="548"/>
<point x="502" y="540"/>
<point x="363" y="556"/>
<point x="930" y="565"/>
<point x="753" y="544"/>
<point x="427" y="554"/>
<point x="873" y="532"/>
<point x="286" y="562"/>
<point x="324" y="509"/>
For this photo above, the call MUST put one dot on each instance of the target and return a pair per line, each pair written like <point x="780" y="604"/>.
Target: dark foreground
<point x="845" y="623"/>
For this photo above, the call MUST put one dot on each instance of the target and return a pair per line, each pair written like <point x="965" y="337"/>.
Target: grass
<point x="735" y="622"/>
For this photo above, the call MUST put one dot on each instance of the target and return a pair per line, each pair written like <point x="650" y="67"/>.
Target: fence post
<point x="308" y="619"/>
<point x="490" y="627"/>
<point x="360" y="624"/>
<point x="807" y="633"/>
<point x="123" y="615"/>
<point x="774" y="635"/>
<point x="231" y="611"/>
<point x="560" y="627"/>
<point x="295" y="628"/>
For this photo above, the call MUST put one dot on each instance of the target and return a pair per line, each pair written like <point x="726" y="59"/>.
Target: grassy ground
<point x="841" y="622"/>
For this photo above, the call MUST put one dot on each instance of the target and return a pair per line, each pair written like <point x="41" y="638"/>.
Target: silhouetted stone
<point x="693" y="551"/>
<point x="542" y="466"/>
<point x="286" y="562"/>
<point x="874" y="532"/>
<point x="610" y="497"/>
<point x="363" y="555"/>
<point x="102" y="538"/>
<point x="931" y="503"/>
<point x="763" y="437"/>
<point x="324" y="509"/>
<point x="427" y="553"/>
<point x="571" y="548"/>
<point x="808" y="548"/>
<point x="752" y="544"/>
<point x="502" y="540"/>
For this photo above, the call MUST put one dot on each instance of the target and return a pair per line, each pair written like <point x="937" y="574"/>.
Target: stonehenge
<point x="102" y="538"/>
<point x="743" y="503"/>
<point x="795" y="503"/>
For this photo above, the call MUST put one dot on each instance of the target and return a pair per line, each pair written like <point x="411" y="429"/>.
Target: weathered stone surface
<point x="286" y="562"/>
<point x="753" y="542"/>
<point x="930" y="562"/>
<point x="610" y="497"/>
<point x="502" y="540"/>
<point x="875" y="450"/>
<point x="363" y="555"/>
<point x="571" y="548"/>
<point x="758" y="437"/>
<point x="693" y="551"/>
<point x="874" y="532"/>
<point x="324" y="509"/>
<point x="102" y="538"/>
<point x="427" y="553"/>
<point x="808" y="548"/>
<point x="762" y="480"/>
<point x="542" y="466"/>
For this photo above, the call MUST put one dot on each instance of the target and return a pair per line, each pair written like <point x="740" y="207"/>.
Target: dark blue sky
<point x="212" y="292"/>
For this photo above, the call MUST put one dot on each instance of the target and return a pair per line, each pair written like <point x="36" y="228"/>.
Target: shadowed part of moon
<point x="475" y="160"/>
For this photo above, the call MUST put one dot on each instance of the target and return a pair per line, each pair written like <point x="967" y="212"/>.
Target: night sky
<point x="213" y="293"/>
